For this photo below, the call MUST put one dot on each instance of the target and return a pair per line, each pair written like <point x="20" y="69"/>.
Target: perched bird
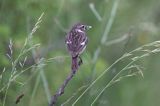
<point x="76" y="41"/>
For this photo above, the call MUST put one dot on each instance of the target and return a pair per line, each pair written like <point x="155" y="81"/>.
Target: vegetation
<point x="120" y="65"/>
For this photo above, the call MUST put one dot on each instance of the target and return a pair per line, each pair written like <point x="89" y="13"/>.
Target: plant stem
<point x="61" y="89"/>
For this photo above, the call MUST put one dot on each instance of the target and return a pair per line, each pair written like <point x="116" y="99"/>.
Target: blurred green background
<point x="133" y="23"/>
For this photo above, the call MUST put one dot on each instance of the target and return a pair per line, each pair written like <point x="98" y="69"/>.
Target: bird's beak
<point x="88" y="27"/>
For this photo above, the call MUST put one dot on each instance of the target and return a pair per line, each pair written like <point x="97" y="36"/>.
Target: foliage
<point x="123" y="43"/>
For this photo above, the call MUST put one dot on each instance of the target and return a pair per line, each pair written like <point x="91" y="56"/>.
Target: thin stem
<point x="73" y="95"/>
<point x="106" y="70"/>
<point x="97" y="79"/>
<point x="42" y="75"/>
<point x="110" y="22"/>
<point x="133" y="60"/>
<point x="61" y="89"/>
<point x="93" y="9"/>
<point x="105" y="35"/>
<point x="110" y="82"/>
<point x="45" y="85"/>
<point x="35" y="88"/>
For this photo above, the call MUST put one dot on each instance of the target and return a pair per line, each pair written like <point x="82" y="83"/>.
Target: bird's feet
<point x="80" y="62"/>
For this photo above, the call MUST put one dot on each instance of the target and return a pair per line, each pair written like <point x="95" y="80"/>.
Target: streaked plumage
<point x="76" y="41"/>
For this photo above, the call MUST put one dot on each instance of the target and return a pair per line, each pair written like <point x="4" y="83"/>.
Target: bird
<point x="76" y="42"/>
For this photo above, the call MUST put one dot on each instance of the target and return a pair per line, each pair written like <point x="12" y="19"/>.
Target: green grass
<point x="121" y="66"/>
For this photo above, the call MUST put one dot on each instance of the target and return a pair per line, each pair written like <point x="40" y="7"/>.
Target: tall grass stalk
<point x="147" y="52"/>
<point x="96" y="80"/>
<point x="110" y="82"/>
<point x="35" y="88"/>
<point x="41" y="72"/>
<point x="105" y="35"/>
<point x="14" y="73"/>
<point x="95" y="12"/>
<point x="73" y="95"/>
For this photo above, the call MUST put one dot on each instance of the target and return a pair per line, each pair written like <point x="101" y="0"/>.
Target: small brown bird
<point x="76" y="41"/>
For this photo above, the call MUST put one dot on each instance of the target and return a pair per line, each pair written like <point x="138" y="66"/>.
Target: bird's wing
<point x="82" y="42"/>
<point x="76" y="42"/>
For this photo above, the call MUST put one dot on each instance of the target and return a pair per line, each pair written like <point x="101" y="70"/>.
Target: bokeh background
<point x="124" y="25"/>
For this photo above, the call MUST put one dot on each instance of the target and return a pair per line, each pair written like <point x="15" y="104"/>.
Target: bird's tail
<point x="75" y="64"/>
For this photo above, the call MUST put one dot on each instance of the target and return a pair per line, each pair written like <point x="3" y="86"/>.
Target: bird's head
<point x="81" y="27"/>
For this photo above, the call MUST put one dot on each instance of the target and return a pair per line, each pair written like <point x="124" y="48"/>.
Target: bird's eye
<point x="83" y="26"/>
